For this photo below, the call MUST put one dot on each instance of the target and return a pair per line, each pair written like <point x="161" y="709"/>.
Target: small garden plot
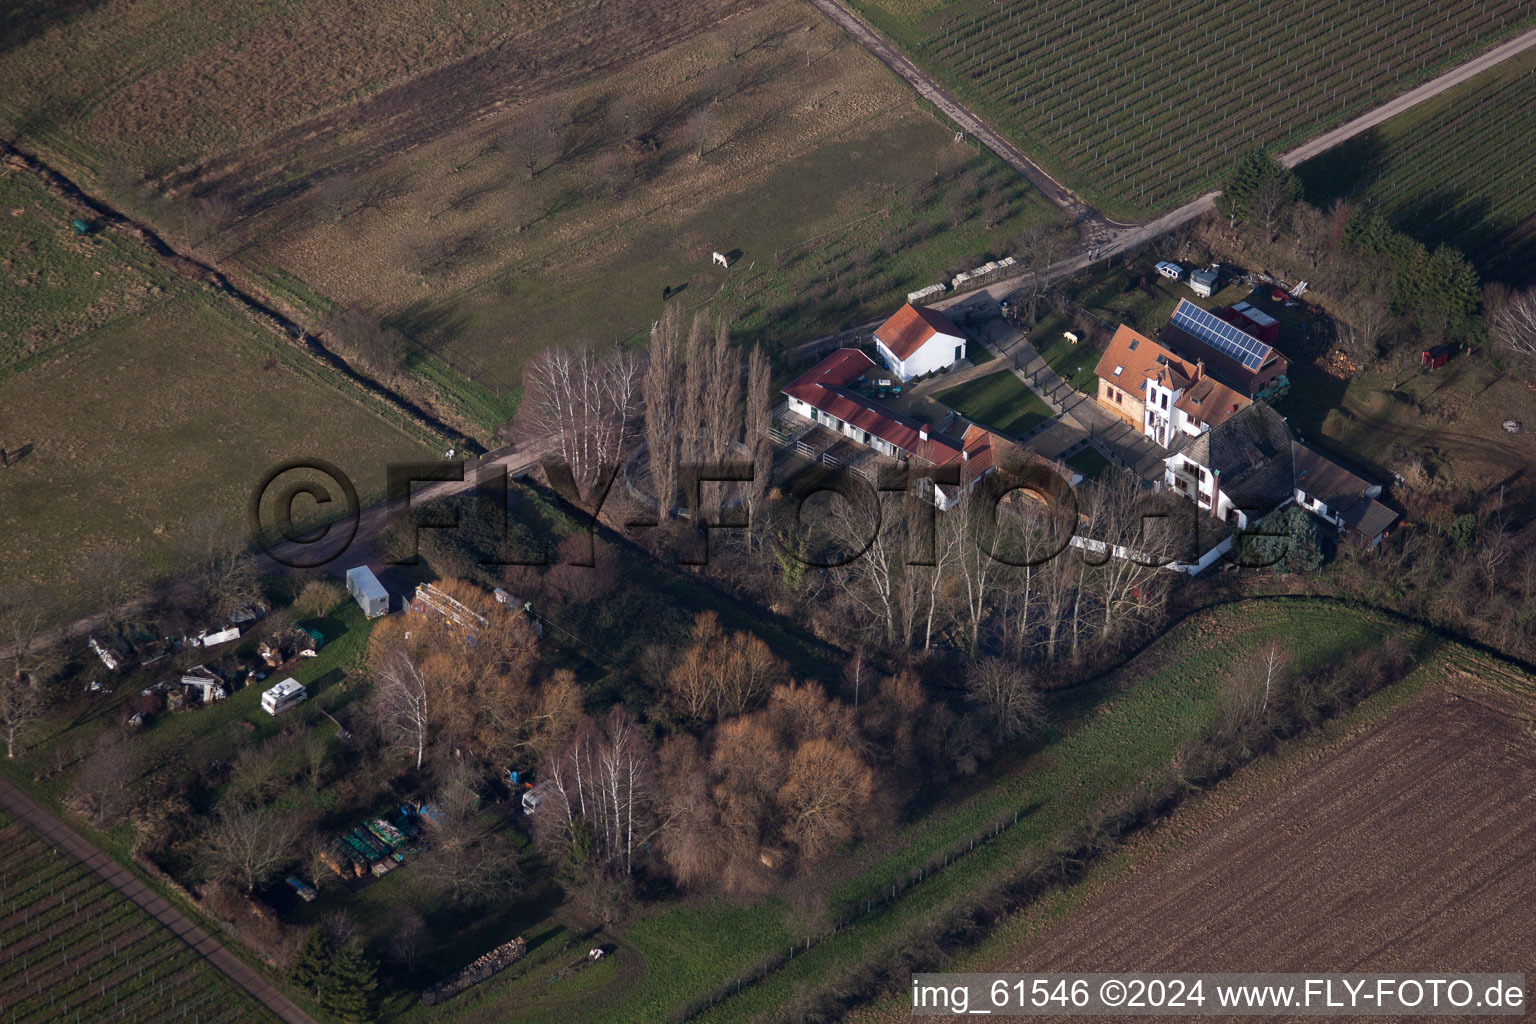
<point x="1000" y="402"/>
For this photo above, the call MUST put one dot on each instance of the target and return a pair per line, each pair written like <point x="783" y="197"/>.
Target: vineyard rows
<point x="1142" y="105"/>
<point x="73" y="949"/>
<point x="1462" y="177"/>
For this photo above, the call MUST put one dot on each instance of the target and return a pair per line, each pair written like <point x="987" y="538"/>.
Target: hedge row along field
<point x="1142" y="105"/>
<point x="72" y="949"/>
<point x="1455" y="172"/>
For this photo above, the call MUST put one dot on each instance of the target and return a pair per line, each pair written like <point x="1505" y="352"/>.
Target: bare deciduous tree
<point x="1247" y="693"/>
<point x="247" y="843"/>
<point x="601" y="787"/>
<point x="720" y="675"/>
<point x="21" y="704"/>
<point x="759" y="422"/>
<point x="470" y="860"/>
<point x="587" y="402"/>
<point x="1139" y="531"/>
<point x="1513" y="322"/>
<point x="664" y="407"/>
<point x="403" y="702"/>
<point x="827" y="790"/>
<point x="1007" y="695"/>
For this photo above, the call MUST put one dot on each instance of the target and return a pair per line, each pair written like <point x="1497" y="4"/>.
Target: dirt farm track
<point x="1405" y="849"/>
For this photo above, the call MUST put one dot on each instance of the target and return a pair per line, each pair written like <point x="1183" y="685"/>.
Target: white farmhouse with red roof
<point x="918" y="340"/>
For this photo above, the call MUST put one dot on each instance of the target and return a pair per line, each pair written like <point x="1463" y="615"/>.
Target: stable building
<point x="1333" y="493"/>
<point x="918" y="340"/>
<point x="832" y="395"/>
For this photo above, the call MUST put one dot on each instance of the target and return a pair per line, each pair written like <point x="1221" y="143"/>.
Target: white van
<point x="1172" y="271"/>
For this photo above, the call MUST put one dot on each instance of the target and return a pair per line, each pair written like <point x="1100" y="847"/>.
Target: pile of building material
<point x="200" y="682"/>
<point x="974" y="276"/>
<point x="373" y="848"/>
<point x="293" y="642"/>
<point x="498" y="959"/>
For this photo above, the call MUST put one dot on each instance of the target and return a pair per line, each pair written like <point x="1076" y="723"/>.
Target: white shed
<point x="918" y="340"/>
<point x="367" y="591"/>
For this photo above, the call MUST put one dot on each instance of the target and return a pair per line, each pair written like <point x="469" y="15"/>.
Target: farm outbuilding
<point x="367" y="591"/>
<point x="1252" y="320"/>
<point x="918" y="340"/>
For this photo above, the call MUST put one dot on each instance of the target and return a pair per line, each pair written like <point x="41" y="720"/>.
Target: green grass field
<point x="147" y="429"/>
<point x="144" y="409"/>
<point x="1455" y="170"/>
<point x="1141" y="106"/>
<point x="999" y="401"/>
<point x="56" y="285"/>
<point x="77" y="950"/>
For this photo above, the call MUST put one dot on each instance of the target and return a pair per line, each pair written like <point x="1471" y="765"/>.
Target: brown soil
<point x="573" y="48"/>
<point x="1405" y="849"/>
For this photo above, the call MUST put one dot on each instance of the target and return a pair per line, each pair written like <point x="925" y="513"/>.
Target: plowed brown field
<point x="1407" y="848"/>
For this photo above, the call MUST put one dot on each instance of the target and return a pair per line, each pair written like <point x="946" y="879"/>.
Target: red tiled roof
<point x="1210" y="401"/>
<point x="1136" y="356"/>
<point x="910" y="328"/>
<point x="826" y="387"/>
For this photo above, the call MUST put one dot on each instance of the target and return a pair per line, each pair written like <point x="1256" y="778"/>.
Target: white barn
<point x="918" y="340"/>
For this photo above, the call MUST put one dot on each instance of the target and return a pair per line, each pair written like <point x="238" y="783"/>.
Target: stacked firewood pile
<point x="498" y="959"/>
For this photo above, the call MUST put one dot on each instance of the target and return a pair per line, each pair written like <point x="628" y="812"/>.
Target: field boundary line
<point x="262" y="311"/>
<point x="1104" y="238"/>
<point x="1413" y="97"/>
<point x="51" y="829"/>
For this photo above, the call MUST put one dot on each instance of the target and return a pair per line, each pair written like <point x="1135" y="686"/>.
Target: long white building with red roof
<point x="829" y="396"/>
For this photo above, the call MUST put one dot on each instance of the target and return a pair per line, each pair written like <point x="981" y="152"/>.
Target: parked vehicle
<point x="287" y="694"/>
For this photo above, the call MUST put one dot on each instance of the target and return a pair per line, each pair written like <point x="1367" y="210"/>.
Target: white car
<point x="1172" y="271"/>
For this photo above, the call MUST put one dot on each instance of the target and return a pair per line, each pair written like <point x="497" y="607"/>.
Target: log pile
<point x="498" y="959"/>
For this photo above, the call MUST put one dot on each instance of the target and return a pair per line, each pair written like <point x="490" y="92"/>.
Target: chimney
<point x="922" y="432"/>
<point x="1199" y="369"/>
<point x="965" y="455"/>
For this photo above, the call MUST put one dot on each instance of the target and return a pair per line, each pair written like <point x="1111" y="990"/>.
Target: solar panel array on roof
<point x="1220" y="335"/>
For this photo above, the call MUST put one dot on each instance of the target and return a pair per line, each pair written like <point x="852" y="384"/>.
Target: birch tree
<point x="872" y="582"/>
<point x="587" y="403"/>
<point x="601" y="786"/>
<point x="403" y="702"/>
